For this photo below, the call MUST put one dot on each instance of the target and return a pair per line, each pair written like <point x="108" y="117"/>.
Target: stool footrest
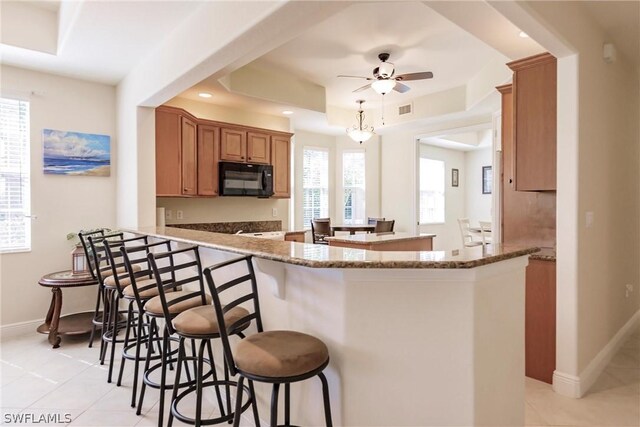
<point x="209" y="421"/>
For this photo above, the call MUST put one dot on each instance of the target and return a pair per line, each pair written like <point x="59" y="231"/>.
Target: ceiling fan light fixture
<point x="383" y="86"/>
<point x="360" y="132"/>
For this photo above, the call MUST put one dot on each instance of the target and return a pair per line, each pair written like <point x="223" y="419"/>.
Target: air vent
<point x="405" y="109"/>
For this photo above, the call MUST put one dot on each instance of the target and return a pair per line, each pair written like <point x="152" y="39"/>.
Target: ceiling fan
<point x="384" y="79"/>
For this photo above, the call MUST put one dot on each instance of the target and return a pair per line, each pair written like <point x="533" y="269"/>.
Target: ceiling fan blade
<point x="415" y="76"/>
<point x="399" y="87"/>
<point x="356" y="77"/>
<point x="365" y="87"/>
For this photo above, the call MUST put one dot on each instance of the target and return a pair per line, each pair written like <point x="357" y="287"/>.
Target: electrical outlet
<point x="589" y="219"/>
<point x="168" y="214"/>
<point x="179" y="215"/>
<point x="628" y="290"/>
<point x="274" y="212"/>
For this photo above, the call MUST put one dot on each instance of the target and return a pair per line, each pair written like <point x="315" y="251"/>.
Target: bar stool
<point x="97" y="316"/>
<point x="198" y="323"/>
<point x="170" y="275"/>
<point x="113" y="279"/>
<point x="275" y="357"/>
<point x="136" y="286"/>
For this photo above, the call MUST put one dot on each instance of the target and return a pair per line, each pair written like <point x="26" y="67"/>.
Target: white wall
<point x="478" y="206"/>
<point x="63" y="204"/>
<point x="447" y="234"/>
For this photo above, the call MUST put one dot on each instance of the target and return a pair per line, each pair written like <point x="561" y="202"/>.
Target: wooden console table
<point x="73" y="324"/>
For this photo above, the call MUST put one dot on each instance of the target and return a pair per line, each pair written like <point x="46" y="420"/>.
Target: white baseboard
<point x="576" y="387"/>
<point x="20" y="329"/>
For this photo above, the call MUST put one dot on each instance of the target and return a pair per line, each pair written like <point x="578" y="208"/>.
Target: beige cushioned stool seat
<point x="280" y="354"/>
<point x="147" y="293"/>
<point x="203" y="321"/>
<point x="108" y="271"/>
<point x="110" y="281"/>
<point x="154" y="305"/>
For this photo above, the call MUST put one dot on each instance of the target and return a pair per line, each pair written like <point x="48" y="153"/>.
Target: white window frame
<point x="444" y="192"/>
<point x="362" y="220"/>
<point x="22" y="171"/>
<point x="324" y="210"/>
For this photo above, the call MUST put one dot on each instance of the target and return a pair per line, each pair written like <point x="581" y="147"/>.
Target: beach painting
<point x="75" y="153"/>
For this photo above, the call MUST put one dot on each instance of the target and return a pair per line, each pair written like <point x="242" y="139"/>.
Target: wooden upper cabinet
<point x="189" y="158"/>
<point x="233" y="145"/>
<point x="534" y="132"/>
<point x="208" y="157"/>
<point x="258" y="148"/>
<point x="281" y="161"/>
<point x="168" y="153"/>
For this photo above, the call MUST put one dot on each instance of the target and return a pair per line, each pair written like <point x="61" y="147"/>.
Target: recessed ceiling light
<point x="205" y="95"/>
<point x="287" y="112"/>
<point x="524" y="35"/>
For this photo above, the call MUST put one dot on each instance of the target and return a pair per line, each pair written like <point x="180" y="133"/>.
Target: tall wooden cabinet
<point x="281" y="160"/>
<point x="534" y="133"/>
<point x="188" y="151"/>
<point x="176" y="153"/>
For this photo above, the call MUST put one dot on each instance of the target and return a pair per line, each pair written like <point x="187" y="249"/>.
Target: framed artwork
<point x="75" y="153"/>
<point x="454" y="177"/>
<point x="487" y="180"/>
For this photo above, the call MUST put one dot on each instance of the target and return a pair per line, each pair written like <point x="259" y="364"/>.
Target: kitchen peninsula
<point x="416" y="338"/>
<point x="391" y="241"/>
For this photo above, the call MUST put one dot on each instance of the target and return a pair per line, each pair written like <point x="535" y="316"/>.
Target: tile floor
<point x="68" y="383"/>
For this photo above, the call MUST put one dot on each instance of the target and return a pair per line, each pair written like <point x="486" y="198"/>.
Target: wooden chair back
<point x="383" y="226"/>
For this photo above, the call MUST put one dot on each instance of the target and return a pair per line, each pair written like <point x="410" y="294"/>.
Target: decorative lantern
<point x="79" y="262"/>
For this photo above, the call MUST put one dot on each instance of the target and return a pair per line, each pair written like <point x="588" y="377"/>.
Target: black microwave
<point x="245" y="179"/>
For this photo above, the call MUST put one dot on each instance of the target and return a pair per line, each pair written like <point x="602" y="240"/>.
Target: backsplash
<point x="233" y="227"/>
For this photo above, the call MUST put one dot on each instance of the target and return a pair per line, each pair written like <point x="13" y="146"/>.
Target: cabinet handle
<point x="248" y="158"/>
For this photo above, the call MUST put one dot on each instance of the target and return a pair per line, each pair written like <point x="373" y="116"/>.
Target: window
<point x="15" y="203"/>
<point x="431" y="191"/>
<point x="315" y="184"/>
<point x="353" y="180"/>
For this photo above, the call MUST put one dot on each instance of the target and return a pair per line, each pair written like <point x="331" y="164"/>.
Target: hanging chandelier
<point x="360" y="132"/>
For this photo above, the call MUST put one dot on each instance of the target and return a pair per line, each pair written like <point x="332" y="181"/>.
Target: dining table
<point x="352" y="228"/>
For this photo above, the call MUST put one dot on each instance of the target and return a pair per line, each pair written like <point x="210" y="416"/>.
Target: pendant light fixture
<point x="360" y="132"/>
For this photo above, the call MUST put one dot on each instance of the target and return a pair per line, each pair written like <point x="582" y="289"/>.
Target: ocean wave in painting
<point x="73" y="153"/>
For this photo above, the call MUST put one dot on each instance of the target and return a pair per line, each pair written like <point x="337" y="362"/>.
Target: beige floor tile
<point x="78" y="393"/>
<point x="106" y="418"/>
<point x="532" y="417"/>
<point x="626" y="358"/>
<point x="26" y="391"/>
<point x="49" y="417"/>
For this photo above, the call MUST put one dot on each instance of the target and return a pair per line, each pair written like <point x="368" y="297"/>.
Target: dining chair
<point x="321" y="228"/>
<point x="372" y="221"/>
<point x="383" y="226"/>
<point x="485" y="232"/>
<point x="465" y="232"/>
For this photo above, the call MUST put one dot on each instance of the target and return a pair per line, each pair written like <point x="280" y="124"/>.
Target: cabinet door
<point x="233" y="145"/>
<point x="281" y="161"/>
<point x="168" y="154"/>
<point x="534" y="89"/>
<point x="540" y="320"/>
<point x="189" y="158"/>
<point x="258" y="148"/>
<point x="208" y="157"/>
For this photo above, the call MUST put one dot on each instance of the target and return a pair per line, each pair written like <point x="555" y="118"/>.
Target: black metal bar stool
<point x="199" y="323"/>
<point x="172" y="271"/>
<point x="135" y="286"/>
<point x="275" y="357"/>
<point x="113" y="279"/>
<point x="97" y="313"/>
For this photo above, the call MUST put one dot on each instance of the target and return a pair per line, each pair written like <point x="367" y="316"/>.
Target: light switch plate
<point x="168" y="214"/>
<point x="179" y="215"/>
<point x="588" y="219"/>
<point x="274" y="212"/>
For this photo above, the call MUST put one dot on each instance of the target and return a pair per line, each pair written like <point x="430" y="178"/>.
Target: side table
<point x="73" y="324"/>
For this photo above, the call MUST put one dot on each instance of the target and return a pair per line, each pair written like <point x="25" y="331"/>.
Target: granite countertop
<point x="545" y="254"/>
<point x="373" y="238"/>
<point x="324" y="256"/>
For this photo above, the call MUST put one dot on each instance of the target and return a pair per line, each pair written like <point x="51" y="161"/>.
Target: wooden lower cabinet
<point x="540" y="320"/>
<point x="294" y="236"/>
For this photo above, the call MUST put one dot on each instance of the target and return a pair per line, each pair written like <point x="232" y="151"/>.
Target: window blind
<point x="15" y="202"/>
<point x="353" y="183"/>
<point x="315" y="184"/>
